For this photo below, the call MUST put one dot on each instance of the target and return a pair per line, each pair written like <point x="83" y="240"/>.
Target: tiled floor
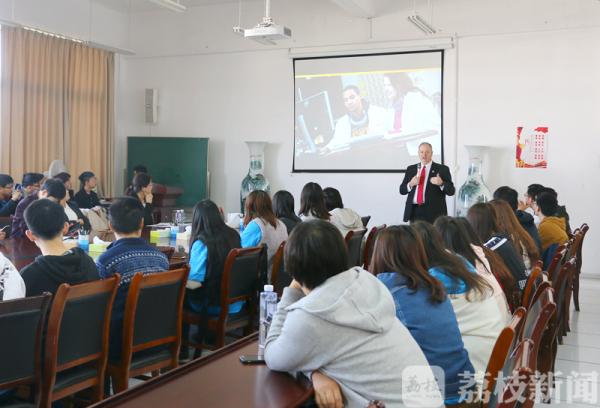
<point x="580" y="353"/>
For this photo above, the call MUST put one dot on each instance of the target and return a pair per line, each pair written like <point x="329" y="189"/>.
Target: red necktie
<point x="420" y="188"/>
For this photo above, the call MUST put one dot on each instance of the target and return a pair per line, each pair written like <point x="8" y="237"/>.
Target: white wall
<point x="527" y="62"/>
<point x="88" y="20"/>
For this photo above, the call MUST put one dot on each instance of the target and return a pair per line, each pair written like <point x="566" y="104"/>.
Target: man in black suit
<point x="427" y="185"/>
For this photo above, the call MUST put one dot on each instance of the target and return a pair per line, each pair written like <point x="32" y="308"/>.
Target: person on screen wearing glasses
<point x="361" y="119"/>
<point x="427" y="185"/>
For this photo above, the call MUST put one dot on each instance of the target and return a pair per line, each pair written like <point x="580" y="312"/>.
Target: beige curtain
<point x="57" y="103"/>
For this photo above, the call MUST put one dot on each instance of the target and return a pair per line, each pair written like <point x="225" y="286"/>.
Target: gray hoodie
<point x="347" y="329"/>
<point x="346" y="219"/>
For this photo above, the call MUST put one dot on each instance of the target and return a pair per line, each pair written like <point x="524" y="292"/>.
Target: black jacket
<point x="86" y="222"/>
<point x="526" y="221"/>
<point x="435" y="196"/>
<point x="85" y="200"/>
<point x="47" y="273"/>
<point x="8" y="207"/>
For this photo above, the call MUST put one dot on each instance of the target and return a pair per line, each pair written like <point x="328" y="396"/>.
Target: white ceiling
<point x="360" y="8"/>
<point x="142" y="5"/>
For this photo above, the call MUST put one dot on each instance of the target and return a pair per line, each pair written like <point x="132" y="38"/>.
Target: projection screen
<point x="367" y="113"/>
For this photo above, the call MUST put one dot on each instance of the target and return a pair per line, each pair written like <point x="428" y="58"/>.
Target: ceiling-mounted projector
<point x="266" y="32"/>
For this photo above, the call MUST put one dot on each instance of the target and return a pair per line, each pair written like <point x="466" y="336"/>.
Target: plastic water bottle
<point x="268" y="306"/>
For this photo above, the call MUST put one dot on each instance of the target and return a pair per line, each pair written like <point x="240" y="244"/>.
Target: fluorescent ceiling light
<point x="170" y="4"/>
<point x="421" y="24"/>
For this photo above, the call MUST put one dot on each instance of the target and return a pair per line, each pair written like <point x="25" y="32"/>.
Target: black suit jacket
<point x="435" y="196"/>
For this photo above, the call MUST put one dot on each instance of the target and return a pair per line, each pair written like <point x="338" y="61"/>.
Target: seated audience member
<point x="58" y="264"/>
<point x="31" y="183"/>
<point x="210" y="242"/>
<point x="552" y="228"/>
<point x="142" y="191"/>
<point x="501" y="272"/>
<point x="399" y="261"/>
<point x="128" y="255"/>
<point x="480" y="320"/>
<point x="529" y="204"/>
<point x="482" y="218"/>
<point x="509" y="225"/>
<point x="345" y="219"/>
<point x="458" y="240"/>
<point x="66" y="179"/>
<point x="283" y="206"/>
<point x="525" y="219"/>
<point x="260" y="224"/>
<point x="53" y="190"/>
<point x="312" y="203"/>
<point x="11" y="282"/>
<point x="86" y="197"/>
<point x="140" y="168"/>
<point x="561" y="210"/>
<point x="341" y="323"/>
<point x="9" y="198"/>
<point x="72" y="211"/>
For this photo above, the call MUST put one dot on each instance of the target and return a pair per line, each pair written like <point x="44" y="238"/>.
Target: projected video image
<point x="356" y="119"/>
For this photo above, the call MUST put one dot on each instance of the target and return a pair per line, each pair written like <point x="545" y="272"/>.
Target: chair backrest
<point x="279" y="277"/>
<point x="354" y="243"/>
<point x="517" y="375"/>
<point x="562" y="282"/>
<point x="148" y="322"/>
<point x="21" y="324"/>
<point x="365" y="220"/>
<point x="370" y="244"/>
<point x="584" y="229"/>
<point x="535" y="278"/>
<point x="557" y="261"/>
<point x="241" y="276"/>
<point x="78" y="328"/>
<point x="538" y="316"/>
<point x="504" y="347"/>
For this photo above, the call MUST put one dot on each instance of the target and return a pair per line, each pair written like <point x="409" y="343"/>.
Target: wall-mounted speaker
<point x="151" y="105"/>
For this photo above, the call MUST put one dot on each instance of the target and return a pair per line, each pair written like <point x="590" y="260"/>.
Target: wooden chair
<point x="151" y="320"/>
<point x="549" y="341"/>
<point x="584" y="229"/>
<point x="557" y="261"/>
<point x="76" y="345"/>
<point x="167" y="250"/>
<point x="370" y="244"/>
<point x="279" y="277"/>
<point x="239" y="282"/>
<point x="536" y="277"/>
<point x="562" y="286"/>
<point x="354" y="243"/>
<point x="365" y="220"/>
<point x="21" y="324"/>
<point x="504" y="347"/>
<point x="518" y="372"/>
<point x="537" y="321"/>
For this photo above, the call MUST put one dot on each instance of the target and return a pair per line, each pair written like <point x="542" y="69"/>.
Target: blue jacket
<point x="434" y="327"/>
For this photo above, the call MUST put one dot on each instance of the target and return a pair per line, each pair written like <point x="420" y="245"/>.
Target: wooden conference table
<point x="21" y="251"/>
<point x="217" y="380"/>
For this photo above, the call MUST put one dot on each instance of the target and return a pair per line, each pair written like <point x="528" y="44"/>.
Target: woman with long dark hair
<point x="482" y="218"/>
<point x="509" y="225"/>
<point x="399" y="261"/>
<point x="86" y="197"/>
<point x="479" y="318"/>
<point x="283" y="206"/>
<point x="210" y="242"/>
<point x="261" y="226"/>
<point x="457" y="240"/>
<point x="142" y="190"/>
<point x="312" y="203"/>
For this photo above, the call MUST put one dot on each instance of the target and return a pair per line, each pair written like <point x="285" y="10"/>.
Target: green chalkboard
<point x="173" y="161"/>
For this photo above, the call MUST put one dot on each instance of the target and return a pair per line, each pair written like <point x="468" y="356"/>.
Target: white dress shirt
<point x="419" y="170"/>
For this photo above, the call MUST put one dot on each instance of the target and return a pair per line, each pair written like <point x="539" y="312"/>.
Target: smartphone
<point x="253" y="359"/>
